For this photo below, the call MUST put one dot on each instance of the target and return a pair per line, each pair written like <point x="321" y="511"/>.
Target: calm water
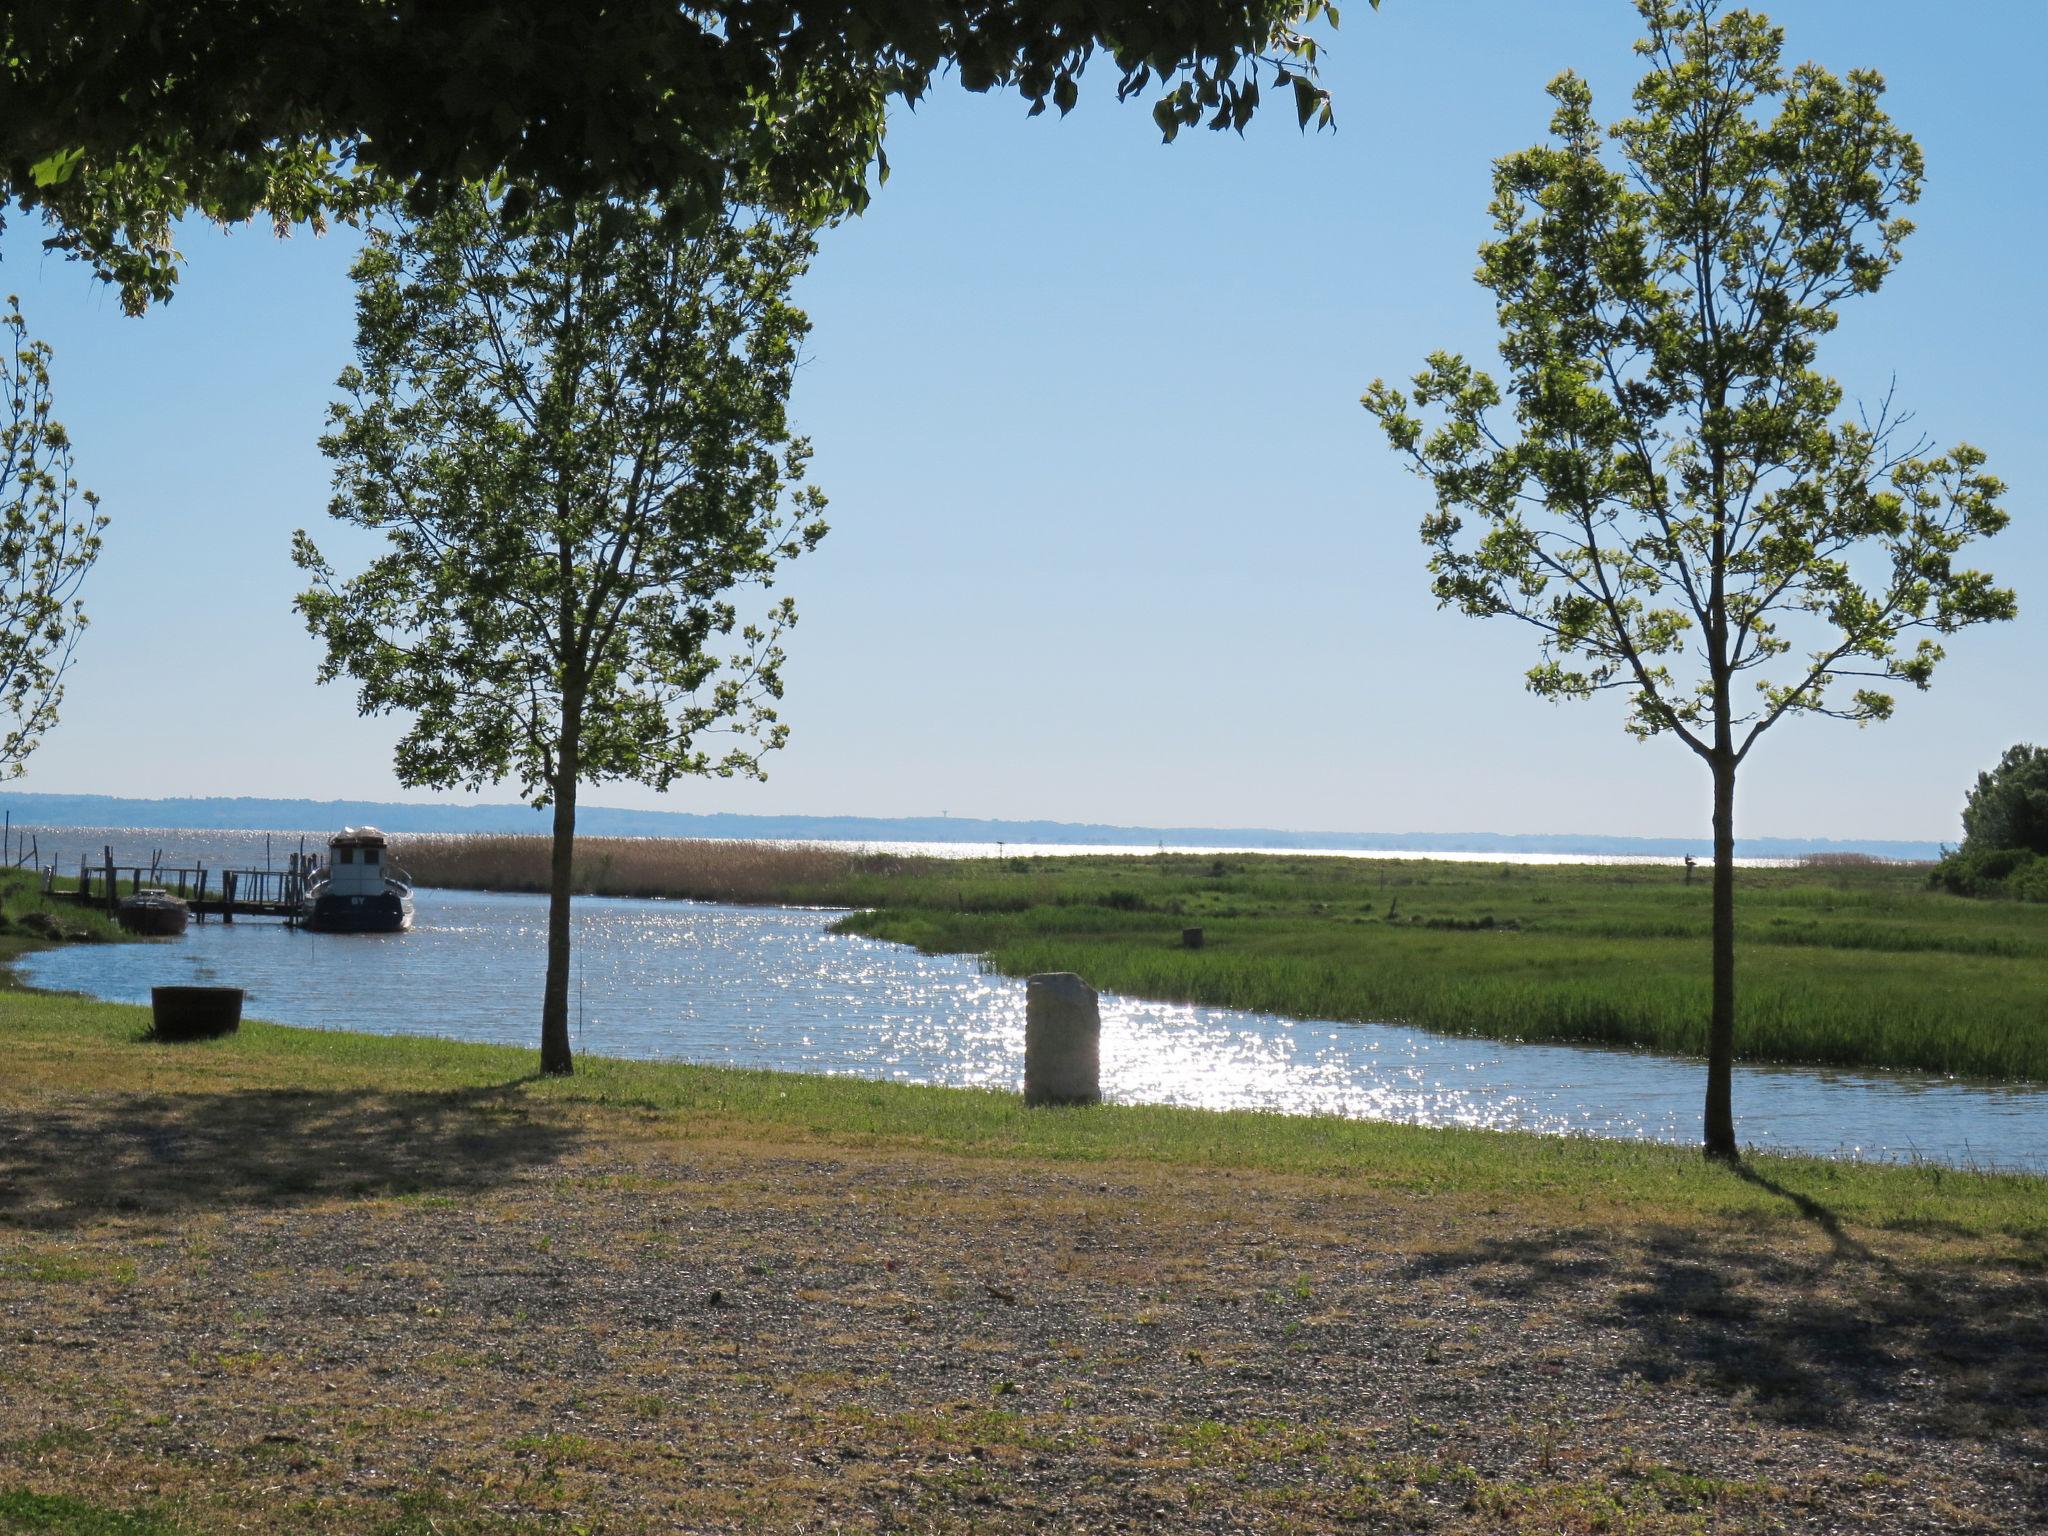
<point x="770" y="987"/>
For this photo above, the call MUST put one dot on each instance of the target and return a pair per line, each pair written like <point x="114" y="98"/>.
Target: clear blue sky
<point x="1112" y="539"/>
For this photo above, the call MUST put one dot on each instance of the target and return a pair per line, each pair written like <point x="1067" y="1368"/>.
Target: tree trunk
<point x="555" y="1057"/>
<point x="1720" y="1115"/>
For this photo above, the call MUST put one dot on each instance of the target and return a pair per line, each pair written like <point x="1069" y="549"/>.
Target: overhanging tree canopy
<point x="118" y="116"/>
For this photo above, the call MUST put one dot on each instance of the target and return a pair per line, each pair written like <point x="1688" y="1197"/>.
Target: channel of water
<point x="772" y="987"/>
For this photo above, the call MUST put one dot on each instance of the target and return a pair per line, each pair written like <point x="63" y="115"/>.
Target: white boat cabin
<point x="356" y="860"/>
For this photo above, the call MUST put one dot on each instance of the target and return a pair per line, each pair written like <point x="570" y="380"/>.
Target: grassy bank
<point x="1843" y="964"/>
<point x="333" y="1283"/>
<point x="59" y="1044"/>
<point x="27" y="916"/>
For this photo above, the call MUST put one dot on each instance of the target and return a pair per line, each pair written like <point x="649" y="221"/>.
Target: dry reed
<point x="695" y="869"/>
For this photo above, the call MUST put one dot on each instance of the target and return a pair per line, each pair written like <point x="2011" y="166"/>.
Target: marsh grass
<point x="1843" y="962"/>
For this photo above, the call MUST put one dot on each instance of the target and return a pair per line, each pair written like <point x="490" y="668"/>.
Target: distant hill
<point x="244" y="813"/>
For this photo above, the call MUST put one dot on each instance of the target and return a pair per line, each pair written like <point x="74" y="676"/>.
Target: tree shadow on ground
<point x="1826" y="1338"/>
<point x="64" y="1165"/>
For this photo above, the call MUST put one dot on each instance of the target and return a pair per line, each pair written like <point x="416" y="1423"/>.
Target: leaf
<point x="54" y="170"/>
<point x="1306" y="99"/>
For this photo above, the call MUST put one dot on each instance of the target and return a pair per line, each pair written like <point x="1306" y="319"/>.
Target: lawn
<point x="320" y="1282"/>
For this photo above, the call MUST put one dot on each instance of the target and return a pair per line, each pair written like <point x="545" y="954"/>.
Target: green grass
<point x="1843" y="965"/>
<point x="70" y="1044"/>
<point x="61" y="1516"/>
<point x="21" y="896"/>
<point x="1860" y="966"/>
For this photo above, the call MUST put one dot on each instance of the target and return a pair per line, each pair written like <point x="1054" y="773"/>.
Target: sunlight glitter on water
<point x="771" y="987"/>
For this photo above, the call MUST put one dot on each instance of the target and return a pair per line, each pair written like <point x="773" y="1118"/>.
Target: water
<point x="770" y="987"/>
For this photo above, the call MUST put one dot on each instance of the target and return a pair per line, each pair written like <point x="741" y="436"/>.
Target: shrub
<point x="2030" y="883"/>
<point x="1970" y="871"/>
<point x="2009" y="807"/>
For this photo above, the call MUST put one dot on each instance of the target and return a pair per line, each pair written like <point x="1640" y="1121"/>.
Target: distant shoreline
<point x="244" y="813"/>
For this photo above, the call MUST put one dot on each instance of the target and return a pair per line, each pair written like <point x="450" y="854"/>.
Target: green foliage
<point x="60" y="1515"/>
<point x="117" y="121"/>
<point x="2009" y="806"/>
<point x="569" y="428"/>
<point x="1682" y="504"/>
<point x="2005" y="832"/>
<point x="28" y="916"/>
<point x="49" y="539"/>
<point x="1980" y="871"/>
<point x="1846" y="967"/>
<point x="569" y="425"/>
<point x="1681" y="511"/>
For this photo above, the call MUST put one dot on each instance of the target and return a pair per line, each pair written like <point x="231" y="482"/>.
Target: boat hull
<point x="152" y="920"/>
<point x="388" y="913"/>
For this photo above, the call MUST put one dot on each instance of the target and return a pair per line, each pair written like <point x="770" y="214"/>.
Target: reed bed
<point x="683" y="868"/>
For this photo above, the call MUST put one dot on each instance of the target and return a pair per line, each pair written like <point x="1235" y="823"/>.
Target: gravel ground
<point x="322" y="1314"/>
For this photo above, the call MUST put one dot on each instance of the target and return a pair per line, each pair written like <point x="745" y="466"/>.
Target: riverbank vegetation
<point x="29" y="917"/>
<point x="2005" y="832"/>
<point x="324" y="1282"/>
<point x="1846" y="964"/>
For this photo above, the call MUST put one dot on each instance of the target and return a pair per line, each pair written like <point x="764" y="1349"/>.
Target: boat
<point x="358" y="889"/>
<point x="152" y="912"/>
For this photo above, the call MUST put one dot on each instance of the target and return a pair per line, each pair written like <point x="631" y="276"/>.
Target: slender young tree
<point x="570" y="428"/>
<point x="49" y="539"/>
<point x="1681" y="509"/>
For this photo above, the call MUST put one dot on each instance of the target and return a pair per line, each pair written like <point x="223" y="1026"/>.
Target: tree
<point x="570" y="429"/>
<point x="117" y="116"/>
<point x="2009" y="807"/>
<point x="1683" y="513"/>
<point x="49" y="539"/>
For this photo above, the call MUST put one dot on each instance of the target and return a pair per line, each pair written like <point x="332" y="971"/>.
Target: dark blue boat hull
<point x="388" y="913"/>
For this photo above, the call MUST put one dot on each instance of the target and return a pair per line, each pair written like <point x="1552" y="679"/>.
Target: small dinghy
<point x="154" y="913"/>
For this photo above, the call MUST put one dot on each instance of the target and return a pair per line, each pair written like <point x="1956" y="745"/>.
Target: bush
<point x="2031" y="882"/>
<point x="1992" y="872"/>
<point x="2009" y="807"/>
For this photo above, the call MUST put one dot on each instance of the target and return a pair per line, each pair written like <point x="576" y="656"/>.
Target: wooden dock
<point x="223" y="893"/>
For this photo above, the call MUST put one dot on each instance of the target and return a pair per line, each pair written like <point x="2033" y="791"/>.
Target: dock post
<point x="113" y="890"/>
<point x="227" y="896"/>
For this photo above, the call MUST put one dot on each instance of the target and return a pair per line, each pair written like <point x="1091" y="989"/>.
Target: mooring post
<point x="227" y="896"/>
<point x="113" y="890"/>
<point x="1062" y="1040"/>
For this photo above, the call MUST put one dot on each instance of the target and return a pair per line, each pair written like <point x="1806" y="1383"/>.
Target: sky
<point x="1112" y="539"/>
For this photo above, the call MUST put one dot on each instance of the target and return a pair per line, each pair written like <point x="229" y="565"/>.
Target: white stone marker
<point x="1062" y="1040"/>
